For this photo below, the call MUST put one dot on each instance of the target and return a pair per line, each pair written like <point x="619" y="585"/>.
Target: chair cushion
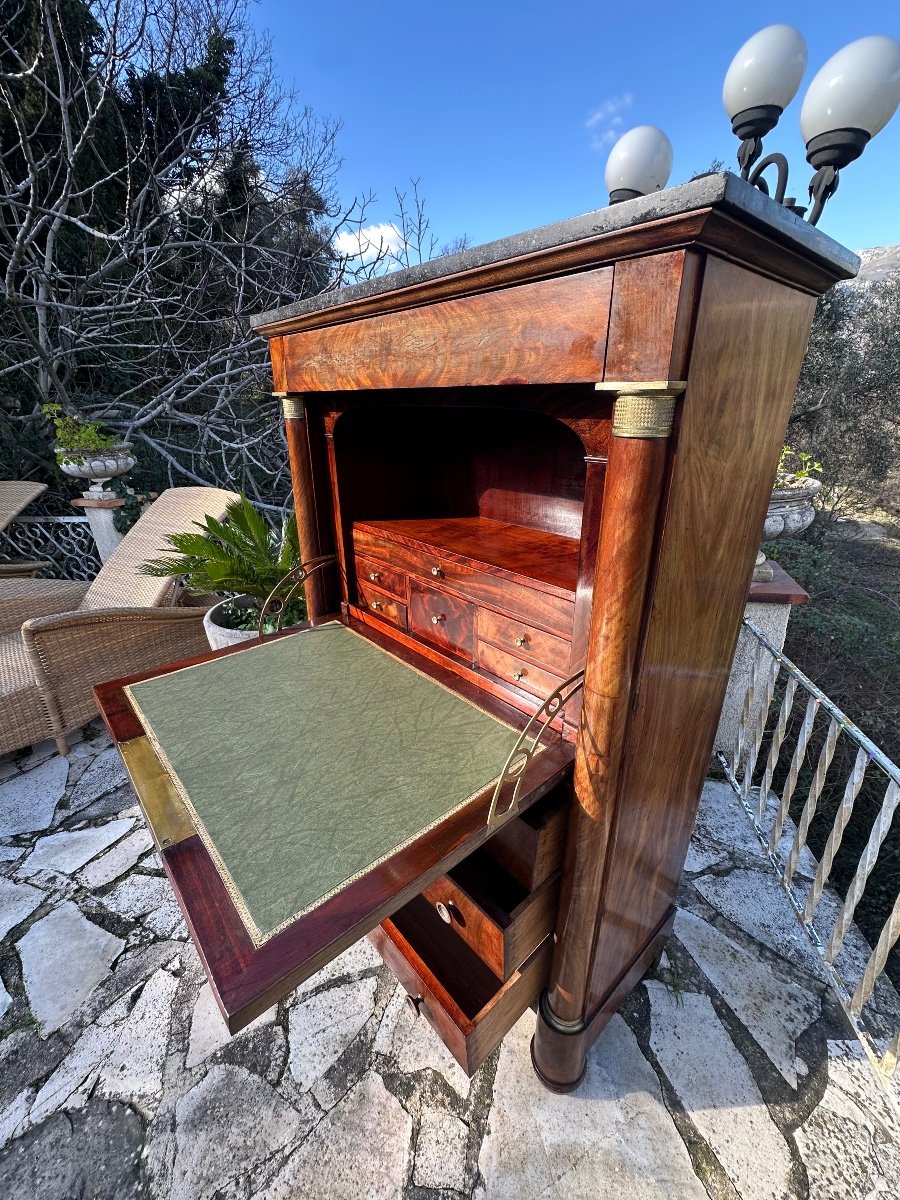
<point x="119" y="582"/>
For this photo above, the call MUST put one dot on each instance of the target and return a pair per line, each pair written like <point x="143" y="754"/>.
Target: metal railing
<point x="65" y="542"/>
<point x="755" y="769"/>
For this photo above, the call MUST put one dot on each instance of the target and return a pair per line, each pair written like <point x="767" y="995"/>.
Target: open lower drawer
<point x="448" y="984"/>
<point x="302" y="790"/>
<point x="501" y="921"/>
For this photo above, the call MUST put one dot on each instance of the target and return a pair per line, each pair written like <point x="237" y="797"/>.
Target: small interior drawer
<point x="524" y="641"/>
<point x="449" y="985"/>
<point x="370" y="572"/>
<point x="490" y="910"/>
<point x="530" y="847"/>
<point x="382" y="605"/>
<point x="446" y="620"/>
<point x="518" y="671"/>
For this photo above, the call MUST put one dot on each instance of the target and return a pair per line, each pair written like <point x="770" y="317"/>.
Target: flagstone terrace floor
<point x="730" y="1072"/>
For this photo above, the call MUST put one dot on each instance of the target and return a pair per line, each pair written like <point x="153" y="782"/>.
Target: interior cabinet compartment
<point x="530" y="847"/>
<point x="448" y="984"/>
<point x="490" y="910"/>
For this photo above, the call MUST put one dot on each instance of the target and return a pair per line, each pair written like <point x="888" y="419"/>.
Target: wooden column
<point x="296" y="433"/>
<point x="642" y="422"/>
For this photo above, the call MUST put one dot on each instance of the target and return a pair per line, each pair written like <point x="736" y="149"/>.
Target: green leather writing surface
<point x="306" y="761"/>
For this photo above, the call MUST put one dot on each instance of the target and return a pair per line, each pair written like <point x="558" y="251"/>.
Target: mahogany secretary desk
<point x="540" y="466"/>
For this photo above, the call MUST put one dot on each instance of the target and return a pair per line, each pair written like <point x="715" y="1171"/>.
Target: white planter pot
<point x="218" y="636"/>
<point x="99" y="466"/>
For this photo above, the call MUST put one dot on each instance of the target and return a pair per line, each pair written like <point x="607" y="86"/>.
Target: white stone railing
<point x="752" y="771"/>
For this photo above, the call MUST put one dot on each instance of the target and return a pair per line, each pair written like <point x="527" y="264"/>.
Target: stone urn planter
<point x="790" y="511"/>
<point x="99" y="466"/>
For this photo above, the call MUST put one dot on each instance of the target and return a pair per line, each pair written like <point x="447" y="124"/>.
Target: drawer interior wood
<point x="530" y="847"/>
<point x="468" y="1006"/>
<point x="493" y="913"/>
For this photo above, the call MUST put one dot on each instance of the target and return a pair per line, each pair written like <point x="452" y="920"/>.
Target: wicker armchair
<point x="58" y="638"/>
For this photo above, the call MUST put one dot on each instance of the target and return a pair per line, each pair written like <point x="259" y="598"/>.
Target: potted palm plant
<point x="242" y="556"/>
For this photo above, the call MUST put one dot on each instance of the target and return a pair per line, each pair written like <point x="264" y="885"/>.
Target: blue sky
<point x="490" y="105"/>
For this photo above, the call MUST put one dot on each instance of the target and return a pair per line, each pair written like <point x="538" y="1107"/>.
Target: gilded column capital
<point x="643" y="410"/>
<point x="292" y="405"/>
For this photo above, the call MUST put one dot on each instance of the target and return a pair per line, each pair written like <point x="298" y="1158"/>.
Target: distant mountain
<point x="878" y="263"/>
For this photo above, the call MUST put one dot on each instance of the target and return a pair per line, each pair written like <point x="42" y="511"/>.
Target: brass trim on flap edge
<point x="166" y="814"/>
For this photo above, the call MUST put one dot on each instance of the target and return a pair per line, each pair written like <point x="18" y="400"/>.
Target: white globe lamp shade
<point x="766" y="72"/>
<point x="640" y="162"/>
<point x="858" y="88"/>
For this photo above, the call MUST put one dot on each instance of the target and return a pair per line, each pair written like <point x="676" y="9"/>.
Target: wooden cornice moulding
<point x="719" y="213"/>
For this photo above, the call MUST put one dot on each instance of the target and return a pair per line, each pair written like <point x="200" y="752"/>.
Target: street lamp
<point x="851" y="98"/>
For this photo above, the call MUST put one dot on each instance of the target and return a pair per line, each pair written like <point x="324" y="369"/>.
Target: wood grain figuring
<point x="645" y="301"/>
<point x="526" y="642"/>
<point x="382" y="605"/>
<point x="546" y="561"/>
<point x="370" y="571"/>
<point x="442" y="618"/>
<point x="705" y="228"/>
<point x="749" y="344"/>
<point x="548" y="332"/>
<point x="485" y="687"/>
<point x="633" y="485"/>
<point x="276" y="353"/>
<point x="305" y="507"/>
<point x="451" y="988"/>
<point x="518" y="671"/>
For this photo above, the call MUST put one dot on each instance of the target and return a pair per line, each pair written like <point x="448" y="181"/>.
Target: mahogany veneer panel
<point x="546" y="561"/>
<point x="517" y="638"/>
<point x="553" y="331"/>
<point x="728" y="446"/>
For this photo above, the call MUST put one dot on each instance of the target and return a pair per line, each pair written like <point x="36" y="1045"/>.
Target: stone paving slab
<point x="729" y="1073"/>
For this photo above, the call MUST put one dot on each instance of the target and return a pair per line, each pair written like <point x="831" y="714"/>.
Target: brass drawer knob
<point x="377" y="604"/>
<point x="374" y="576"/>
<point x="437" y="619"/>
<point x="523" y="640"/>
<point x="444" y="912"/>
<point x="437" y="572"/>
<point x="414" y="1003"/>
<point x="517" y="675"/>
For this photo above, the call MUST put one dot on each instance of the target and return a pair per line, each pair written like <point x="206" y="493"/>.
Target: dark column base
<point x="558" y="1054"/>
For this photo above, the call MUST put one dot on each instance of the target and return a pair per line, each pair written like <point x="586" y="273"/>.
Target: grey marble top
<point x="725" y="190"/>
